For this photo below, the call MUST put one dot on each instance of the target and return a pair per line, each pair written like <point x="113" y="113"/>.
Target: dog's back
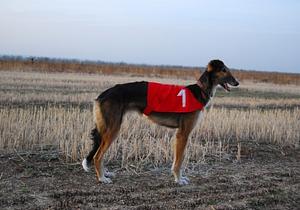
<point x="129" y="95"/>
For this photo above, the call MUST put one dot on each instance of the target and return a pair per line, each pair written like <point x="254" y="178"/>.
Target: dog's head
<point x="220" y="74"/>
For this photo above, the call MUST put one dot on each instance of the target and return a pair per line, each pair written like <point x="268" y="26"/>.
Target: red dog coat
<point x="170" y="98"/>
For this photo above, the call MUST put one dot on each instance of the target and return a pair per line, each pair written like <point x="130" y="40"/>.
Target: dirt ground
<point x="270" y="179"/>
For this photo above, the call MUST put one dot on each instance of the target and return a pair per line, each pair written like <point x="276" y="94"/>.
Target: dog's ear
<point x="209" y="68"/>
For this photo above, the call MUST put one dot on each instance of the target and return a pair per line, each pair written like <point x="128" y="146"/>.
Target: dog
<point x="111" y="105"/>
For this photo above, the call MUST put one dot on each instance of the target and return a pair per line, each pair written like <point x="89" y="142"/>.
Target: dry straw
<point x="141" y="142"/>
<point x="42" y="109"/>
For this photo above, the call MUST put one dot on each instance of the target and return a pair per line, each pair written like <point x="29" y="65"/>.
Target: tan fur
<point x="98" y="117"/>
<point x="186" y="126"/>
<point x="108" y="131"/>
<point x="209" y="68"/>
<point x="107" y="139"/>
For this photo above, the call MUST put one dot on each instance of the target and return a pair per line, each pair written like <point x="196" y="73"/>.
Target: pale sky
<point x="245" y="34"/>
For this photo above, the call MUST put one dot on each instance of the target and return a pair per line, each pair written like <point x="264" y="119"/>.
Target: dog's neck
<point x="206" y="85"/>
<point x="205" y="89"/>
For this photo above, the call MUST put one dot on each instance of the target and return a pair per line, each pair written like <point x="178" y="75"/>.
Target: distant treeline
<point x="45" y="64"/>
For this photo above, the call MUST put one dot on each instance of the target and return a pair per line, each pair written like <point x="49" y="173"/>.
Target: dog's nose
<point x="233" y="82"/>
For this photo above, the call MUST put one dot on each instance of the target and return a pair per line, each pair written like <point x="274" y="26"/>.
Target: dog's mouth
<point x="225" y="86"/>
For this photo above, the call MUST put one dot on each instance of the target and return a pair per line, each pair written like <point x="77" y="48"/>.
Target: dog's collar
<point x="203" y="92"/>
<point x="200" y="84"/>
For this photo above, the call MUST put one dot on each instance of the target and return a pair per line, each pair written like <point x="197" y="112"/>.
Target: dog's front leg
<point x="179" y="147"/>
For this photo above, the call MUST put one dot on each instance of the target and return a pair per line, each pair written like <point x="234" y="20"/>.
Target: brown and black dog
<point x="112" y="104"/>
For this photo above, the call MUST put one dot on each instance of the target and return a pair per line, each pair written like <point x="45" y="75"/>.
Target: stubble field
<point x="243" y="154"/>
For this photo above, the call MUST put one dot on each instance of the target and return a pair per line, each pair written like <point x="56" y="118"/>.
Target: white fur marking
<point x="105" y="180"/>
<point x="179" y="179"/>
<point x="209" y="105"/>
<point x="183" y="181"/>
<point x="109" y="174"/>
<point x="85" y="165"/>
<point x="199" y="119"/>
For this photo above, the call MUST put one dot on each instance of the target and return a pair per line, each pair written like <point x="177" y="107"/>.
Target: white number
<point x="183" y="95"/>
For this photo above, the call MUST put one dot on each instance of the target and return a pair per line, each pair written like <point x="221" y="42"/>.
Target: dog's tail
<point x="95" y="135"/>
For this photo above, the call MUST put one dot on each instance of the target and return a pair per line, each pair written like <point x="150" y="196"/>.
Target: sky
<point x="248" y="34"/>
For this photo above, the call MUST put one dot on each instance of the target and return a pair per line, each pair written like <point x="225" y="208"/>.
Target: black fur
<point x="198" y="92"/>
<point x="96" y="138"/>
<point x="132" y="96"/>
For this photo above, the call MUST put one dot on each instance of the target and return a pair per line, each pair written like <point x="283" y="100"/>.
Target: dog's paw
<point x="183" y="181"/>
<point x="109" y="174"/>
<point x="105" y="180"/>
<point x="86" y="166"/>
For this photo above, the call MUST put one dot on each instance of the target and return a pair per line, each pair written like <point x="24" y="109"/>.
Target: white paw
<point x="185" y="178"/>
<point x="85" y="165"/>
<point x="182" y="181"/>
<point x="105" y="180"/>
<point x="109" y="174"/>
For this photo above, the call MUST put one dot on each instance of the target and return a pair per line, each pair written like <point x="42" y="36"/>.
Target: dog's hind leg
<point x="87" y="162"/>
<point x="107" y="139"/>
<point x="96" y="137"/>
<point x="108" y="118"/>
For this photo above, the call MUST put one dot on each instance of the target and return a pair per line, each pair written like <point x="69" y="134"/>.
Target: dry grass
<point x="28" y="121"/>
<point x="145" y="142"/>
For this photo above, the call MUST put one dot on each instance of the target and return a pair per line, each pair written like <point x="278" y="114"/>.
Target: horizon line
<point x="135" y="64"/>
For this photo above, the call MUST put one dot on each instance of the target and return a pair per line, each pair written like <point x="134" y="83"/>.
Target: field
<point x="244" y="153"/>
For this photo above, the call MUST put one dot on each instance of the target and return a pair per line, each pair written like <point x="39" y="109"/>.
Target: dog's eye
<point x="224" y="69"/>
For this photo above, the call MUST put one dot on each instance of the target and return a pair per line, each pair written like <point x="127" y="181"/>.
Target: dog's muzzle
<point x="232" y="81"/>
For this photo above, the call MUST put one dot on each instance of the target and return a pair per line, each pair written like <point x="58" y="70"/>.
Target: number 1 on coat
<point x="183" y="97"/>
